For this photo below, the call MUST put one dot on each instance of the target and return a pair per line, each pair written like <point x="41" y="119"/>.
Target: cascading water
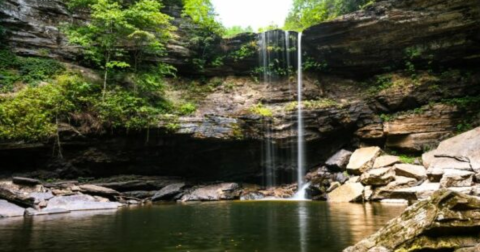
<point x="300" y="195"/>
<point x="274" y="64"/>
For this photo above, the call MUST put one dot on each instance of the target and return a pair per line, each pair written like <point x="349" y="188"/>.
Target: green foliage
<point x="203" y="32"/>
<point x="261" y="110"/>
<point x="269" y="27"/>
<point x="407" y="159"/>
<point x="464" y="102"/>
<point x="235" y="30"/>
<point x="187" y="109"/>
<point x="386" y="118"/>
<point x="113" y="25"/>
<point x="245" y="51"/>
<point x="25" y="70"/>
<point x="311" y="64"/>
<point x="306" y="13"/>
<point x="31" y="113"/>
<point x="312" y="104"/>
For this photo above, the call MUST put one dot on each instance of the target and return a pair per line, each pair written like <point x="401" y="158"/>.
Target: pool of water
<point x="272" y="226"/>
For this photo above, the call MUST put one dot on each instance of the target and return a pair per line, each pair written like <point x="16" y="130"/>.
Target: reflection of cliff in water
<point x="234" y="226"/>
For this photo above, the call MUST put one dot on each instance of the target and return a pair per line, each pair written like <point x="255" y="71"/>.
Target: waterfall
<point x="300" y="127"/>
<point x="275" y="61"/>
<point x="269" y="155"/>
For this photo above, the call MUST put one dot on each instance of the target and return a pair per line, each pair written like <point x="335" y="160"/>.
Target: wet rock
<point x="134" y="183"/>
<point x="35" y="212"/>
<point x="339" y="161"/>
<point x="139" y="194"/>
<point x="367" y="193"/>
<point x="362" y="160"/>
<point x="224" y="191"/>
<point x="79" y="203"/>
<point x="412" y="171"/>
<point x="25" y="181"/>
<point x="448" y="221"/>
<point x="252" y="196"/>
<point x="170" y="192"/>
<point x="98" y="190"/>
<point x="378" y="177"/>
<point x="385" y="161"/>
<point x="8" y="209"/>
<point x="350" y="192"/>
<point x="456" y="178"/>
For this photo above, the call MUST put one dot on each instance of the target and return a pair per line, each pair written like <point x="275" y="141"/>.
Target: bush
<point x="187" y="109"/>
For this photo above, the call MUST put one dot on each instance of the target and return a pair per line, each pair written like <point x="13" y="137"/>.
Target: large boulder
<point x="460" y="153"/>
<point x="447" y="222"/>
<point x="420" y="192"/>
<point x="456" y="178"/>
<point x="170" y="192"/>
<point x="362" y="160"/>
<point x="25" y="181"/>
<point x="378" y="177"/>
<point x="349" y="192"/>
<point x="18" y="194"/>
<point x="223" y="191"/>
<point x="339" y="161"/>
<point x="8" y="209"/>
<point x="385" y="161"/>
<point x="385" y="192"/>
<point x="412" y="171"/>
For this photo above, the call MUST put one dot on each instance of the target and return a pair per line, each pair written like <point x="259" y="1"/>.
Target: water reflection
<point x="226" y="226"/>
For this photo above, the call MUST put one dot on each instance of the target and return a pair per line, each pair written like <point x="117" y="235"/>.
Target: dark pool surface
<point x="221" y="226"/>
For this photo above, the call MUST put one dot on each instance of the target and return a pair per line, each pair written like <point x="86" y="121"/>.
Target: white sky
<point x="255" y="13"/>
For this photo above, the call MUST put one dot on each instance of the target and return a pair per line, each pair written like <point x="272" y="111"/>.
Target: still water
<point x="275" y="226"/>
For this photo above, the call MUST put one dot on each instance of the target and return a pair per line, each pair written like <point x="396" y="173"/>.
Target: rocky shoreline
<point x="367" y="174"/>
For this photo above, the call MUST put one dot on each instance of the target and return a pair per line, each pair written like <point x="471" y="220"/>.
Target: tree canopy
<point x="306" y="13"/>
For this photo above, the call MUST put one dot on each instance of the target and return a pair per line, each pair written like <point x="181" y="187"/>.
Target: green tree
<point x="116" y="28"/>
<point x="306" y="13"/>
<point x="234" y="30"/>
<point x="204" y="32"/>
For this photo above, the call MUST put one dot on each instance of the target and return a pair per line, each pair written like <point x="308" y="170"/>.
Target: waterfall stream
<point x="270" y="43"/>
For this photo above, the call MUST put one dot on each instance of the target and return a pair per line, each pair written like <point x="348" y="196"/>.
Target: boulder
<point x="456" y="178"/>
<point x="8" y="209"/>
<point x="412" y="171"/>
<point x="41" y="196"/>
<point x="378" y="177"/>
<point x="98" y="190"/>
<point x="427" y="158"/>
<point x="18" y="194"/>
<point x="421" y="192"/>
<point x="79" y="203"/>
<point x="399" y="182"/>
<point x="170" y="192"/>
<point x="459" y="153"/>
<point x="349" y="192"/>
<point x="385" y="161"/>
<point x="464" y="147"/>
<point x="362" y="160"/>
<point x="447" y="222"/>
<point x="25" y="181"/>
<point x="223" y="191"/>
<point x="339" y="160"/>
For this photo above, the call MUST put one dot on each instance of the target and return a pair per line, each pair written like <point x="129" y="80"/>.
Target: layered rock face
<point x="449" y="221"/>
<point x="375" y="39"/>
<point x="225" y="140"/>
